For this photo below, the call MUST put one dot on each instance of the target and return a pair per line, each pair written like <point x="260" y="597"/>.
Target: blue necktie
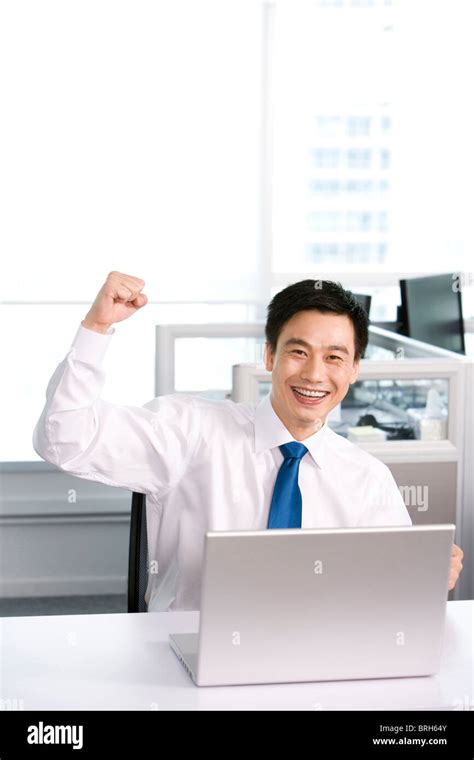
<point x="285" y="509"/>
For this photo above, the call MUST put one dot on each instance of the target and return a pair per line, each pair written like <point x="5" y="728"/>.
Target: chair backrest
<point x="138" y="555"/>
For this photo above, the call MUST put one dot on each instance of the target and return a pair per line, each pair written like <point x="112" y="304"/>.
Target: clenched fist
<point x="119" y="297"/>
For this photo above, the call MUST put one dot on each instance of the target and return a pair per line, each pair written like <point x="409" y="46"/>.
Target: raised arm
<point x="125" y="446"/>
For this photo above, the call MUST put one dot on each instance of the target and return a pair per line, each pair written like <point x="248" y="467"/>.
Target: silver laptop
<point x="314" y="605"/>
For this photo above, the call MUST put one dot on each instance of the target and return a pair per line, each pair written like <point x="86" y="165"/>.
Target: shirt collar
<point x="270" y="432"/>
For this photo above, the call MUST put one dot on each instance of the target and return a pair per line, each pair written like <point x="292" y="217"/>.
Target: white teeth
<point x="312" y="394"/>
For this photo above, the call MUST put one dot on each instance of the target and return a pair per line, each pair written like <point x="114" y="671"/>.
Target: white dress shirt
<point x="203" y="465"/>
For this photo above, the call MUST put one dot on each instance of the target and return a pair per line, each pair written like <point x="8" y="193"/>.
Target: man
<point x="216" y="465"/>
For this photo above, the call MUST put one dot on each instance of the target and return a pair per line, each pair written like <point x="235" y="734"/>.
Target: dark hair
<point x="320" y="295"/>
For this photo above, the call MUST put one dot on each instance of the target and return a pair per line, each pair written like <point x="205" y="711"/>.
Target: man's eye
<point x="335" y="356"/>
<point x="299" y="351"/>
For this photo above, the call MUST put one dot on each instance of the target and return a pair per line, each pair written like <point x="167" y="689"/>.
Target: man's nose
<point x="314" y="371"/>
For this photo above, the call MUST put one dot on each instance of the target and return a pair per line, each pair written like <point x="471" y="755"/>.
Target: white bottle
<point x="433" y="424"/>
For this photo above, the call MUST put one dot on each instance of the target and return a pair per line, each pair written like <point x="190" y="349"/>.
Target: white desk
<point x="124" y="662"/>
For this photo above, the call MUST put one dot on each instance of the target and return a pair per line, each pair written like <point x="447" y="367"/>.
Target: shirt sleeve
<point x="142" y="449"/>
<point x="386" y="504"/>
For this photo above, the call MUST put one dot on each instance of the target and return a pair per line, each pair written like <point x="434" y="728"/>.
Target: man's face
<point x="314" y="355"/>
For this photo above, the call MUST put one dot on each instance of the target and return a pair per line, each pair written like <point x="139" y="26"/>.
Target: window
<point x="361" y="88"/>
<point x="359" y="158"/>
<point x="358" y="125"/>
<point x="129" y="140"/>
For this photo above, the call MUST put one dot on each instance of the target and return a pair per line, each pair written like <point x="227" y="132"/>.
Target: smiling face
<point x="312" y="368"/>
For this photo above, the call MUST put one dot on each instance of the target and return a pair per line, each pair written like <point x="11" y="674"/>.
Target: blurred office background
<point x="219" y="150"/>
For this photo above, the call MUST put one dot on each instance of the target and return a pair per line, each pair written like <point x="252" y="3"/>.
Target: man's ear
<point x="268" y="357"/>
<point x="355" y="371"/>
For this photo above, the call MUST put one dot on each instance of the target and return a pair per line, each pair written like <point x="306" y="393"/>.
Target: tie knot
<point x="293" y="450"/>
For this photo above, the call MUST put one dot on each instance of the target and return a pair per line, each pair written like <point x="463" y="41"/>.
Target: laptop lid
<point x="308" y="605"/>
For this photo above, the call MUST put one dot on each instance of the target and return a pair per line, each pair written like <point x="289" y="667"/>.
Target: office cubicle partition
<point x="202" y="369"/>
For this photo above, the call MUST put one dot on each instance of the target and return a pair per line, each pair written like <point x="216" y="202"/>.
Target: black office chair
<point x="138" y="555"/>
